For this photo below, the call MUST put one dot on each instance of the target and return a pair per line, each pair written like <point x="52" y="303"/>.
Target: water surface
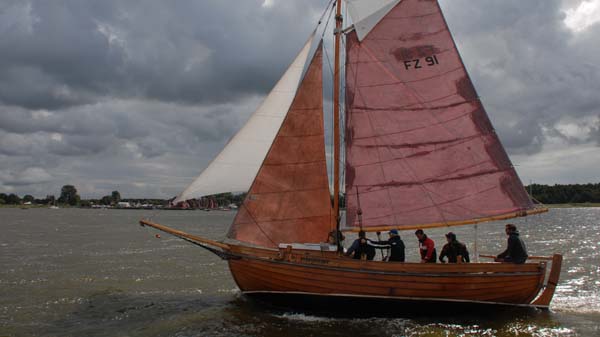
<point x="78" y="272"/>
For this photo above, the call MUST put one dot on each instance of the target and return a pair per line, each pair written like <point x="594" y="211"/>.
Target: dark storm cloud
<point x="139" y="97"/>
<point x="65" y="53"/>
<point x="530" y="69"/>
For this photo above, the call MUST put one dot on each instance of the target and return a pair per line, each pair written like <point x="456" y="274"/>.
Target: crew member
<point x="394" y="243"/>
<point x="454" y="250"/>
<point x="360" y="249"/>
<point x="515" y="252"/>
<point x="426" y="247"/>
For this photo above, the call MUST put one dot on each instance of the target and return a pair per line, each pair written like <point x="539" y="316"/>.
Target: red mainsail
<point x="289" y="200"/>
<point x="420" y="149"/>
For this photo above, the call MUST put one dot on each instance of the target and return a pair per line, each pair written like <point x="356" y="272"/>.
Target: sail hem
<point x="450" y="223"/>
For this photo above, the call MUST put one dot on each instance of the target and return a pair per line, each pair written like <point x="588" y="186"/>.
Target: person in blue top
<point x="361" y="249"/>
<point x="394" y="243"/>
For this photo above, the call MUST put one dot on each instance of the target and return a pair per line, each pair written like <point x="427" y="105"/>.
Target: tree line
<point x="565" y="194"/>
<point x="69" y="196"/>
<point x="546" y="194"/>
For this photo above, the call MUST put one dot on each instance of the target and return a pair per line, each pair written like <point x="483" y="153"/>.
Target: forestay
<point x="420" y="149"/>
<point x="234" y="169"/>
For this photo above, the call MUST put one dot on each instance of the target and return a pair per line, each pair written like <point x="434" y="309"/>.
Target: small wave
<point x="304" y="318"/>
<point x="538" y="331"/>
<point x="583" y="302"/>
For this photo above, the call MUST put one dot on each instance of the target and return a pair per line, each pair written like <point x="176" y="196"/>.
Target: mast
<point x="336" y="115"/>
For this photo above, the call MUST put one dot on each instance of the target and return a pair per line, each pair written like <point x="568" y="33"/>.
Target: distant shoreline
<point x="574" y="205"/>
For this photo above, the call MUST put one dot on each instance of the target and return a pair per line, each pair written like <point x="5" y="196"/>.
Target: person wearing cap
<point x="515" y="252"/>
<point x="394" y="243"/>
<point x="360" y="249"/>
<point x="426" y="247"/>
<point x="454" y="250"/>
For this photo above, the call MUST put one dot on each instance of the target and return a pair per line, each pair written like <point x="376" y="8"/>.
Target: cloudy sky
<point x="139" y="96"/>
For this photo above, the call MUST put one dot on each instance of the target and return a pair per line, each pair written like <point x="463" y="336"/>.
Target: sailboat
<point x="420" y="152"/>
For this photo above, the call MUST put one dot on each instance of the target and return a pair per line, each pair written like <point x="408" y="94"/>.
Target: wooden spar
<point x="450" y="223"/>
<point x="336" y="114"/>
<point x="544" y="258"/>
<point x="185" y="235"/>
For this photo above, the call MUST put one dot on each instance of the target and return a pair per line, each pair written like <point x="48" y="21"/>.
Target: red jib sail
<point x="420" y="148"/>
<point x="289" y="200"/>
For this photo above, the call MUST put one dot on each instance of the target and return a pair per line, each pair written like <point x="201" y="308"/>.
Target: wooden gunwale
<point x="392" y="280"/>
<point x="416" y="269"/>
<point x="401" y="273"/>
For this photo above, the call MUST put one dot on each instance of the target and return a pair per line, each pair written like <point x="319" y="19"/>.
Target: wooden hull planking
<point x="258" y="270"/>
<point x="290" y="271"/>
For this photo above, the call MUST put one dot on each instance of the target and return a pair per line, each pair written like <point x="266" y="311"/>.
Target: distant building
<point x="123" y="204"/>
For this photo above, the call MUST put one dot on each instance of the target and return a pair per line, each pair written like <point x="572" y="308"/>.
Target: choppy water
<point x="74" y="272"/>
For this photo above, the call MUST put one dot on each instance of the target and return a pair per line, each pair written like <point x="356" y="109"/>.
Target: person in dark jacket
<point x="394" y="243"/>
<point x="515" y="252"/>
<point x="426" y="247"/>
<point x="361" y="249"/>
<point x="454" y="250"/>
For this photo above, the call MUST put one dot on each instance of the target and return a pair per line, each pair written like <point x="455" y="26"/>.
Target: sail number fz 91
<point x="428" y="61"/>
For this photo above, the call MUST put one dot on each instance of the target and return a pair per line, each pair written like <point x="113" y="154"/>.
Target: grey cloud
<point x="115" y="95"/>
<point x="29" y="176"/>
<point x="76" y="52"/>
<point x="530" y="70"/>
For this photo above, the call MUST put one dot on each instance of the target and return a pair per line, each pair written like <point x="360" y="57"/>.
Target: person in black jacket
<point x="453" y="250"/>
<point x="394" y="243"/>
<point x="516" y="252"/>
<point x="360" y="249"/>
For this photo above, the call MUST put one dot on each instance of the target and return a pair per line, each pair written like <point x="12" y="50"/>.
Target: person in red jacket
<point x="426" y="247"/>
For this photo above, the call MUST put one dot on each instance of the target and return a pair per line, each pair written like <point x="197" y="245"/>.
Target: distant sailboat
<point x="420" y="152"/>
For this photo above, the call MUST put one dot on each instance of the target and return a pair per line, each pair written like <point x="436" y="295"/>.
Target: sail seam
<point x="287" y="192"/>
<point x="414" y="145"/>
<point x="408" y="106"/>
<point x="412" y="81"/>
<point x="263" y="221"/>
<point x="294" y="163"/>
<point x="410" y="17"/>
<point x="430" y="181"/>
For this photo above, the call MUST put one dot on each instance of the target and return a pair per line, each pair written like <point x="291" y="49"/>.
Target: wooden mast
<point x="336" y="115"/>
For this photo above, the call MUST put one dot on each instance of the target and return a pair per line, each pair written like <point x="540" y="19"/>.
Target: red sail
<point x="289" y="200"/>
<point x="420" y="148"/>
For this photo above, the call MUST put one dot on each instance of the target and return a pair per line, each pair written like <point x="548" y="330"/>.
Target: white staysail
<point x="367" y="13"/>
<point x="234" y="169"/>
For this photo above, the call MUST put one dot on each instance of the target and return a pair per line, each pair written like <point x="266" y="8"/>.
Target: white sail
<point x="367" y="13"/>
<point x="234" y="169"/>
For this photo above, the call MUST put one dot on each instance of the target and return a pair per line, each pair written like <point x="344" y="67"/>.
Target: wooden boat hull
<point x="289" y="271"/>
<point x="258" y="271"/>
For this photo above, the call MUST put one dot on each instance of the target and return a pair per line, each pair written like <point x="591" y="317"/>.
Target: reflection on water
<point x="72" y="272"/>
